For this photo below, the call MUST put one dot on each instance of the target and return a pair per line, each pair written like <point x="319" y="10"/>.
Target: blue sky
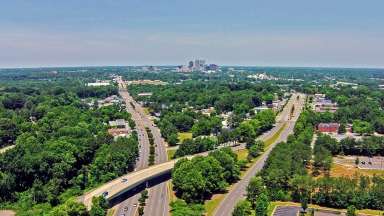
<point x="347" y="33"/>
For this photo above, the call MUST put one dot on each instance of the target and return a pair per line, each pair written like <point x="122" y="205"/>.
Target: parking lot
<point x="372" y="163"/>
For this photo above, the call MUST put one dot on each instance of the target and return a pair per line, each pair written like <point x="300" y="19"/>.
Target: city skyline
<point x="254" y="33"/>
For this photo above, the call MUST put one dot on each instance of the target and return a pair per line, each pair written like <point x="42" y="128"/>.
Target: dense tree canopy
<point x="196" y="179"/>
<point x="61" y="147"/>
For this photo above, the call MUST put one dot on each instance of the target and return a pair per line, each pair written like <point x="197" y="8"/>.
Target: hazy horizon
<point x="298" y="33"/>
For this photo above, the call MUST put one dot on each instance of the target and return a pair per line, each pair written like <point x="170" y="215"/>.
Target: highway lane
<point x="118" y="186"/>
<point x="129" y="206"/>
<point x="238" y="191"/>
<point x="158" y="202"/>
<point x="158" y="194"/>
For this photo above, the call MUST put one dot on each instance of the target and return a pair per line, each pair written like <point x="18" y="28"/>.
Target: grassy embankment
<point x="273" y="205"/>
<point x="183" y="136"/>
<point x="211" y="205"/>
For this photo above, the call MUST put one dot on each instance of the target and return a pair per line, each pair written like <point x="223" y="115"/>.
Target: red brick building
<point x="328" y="127"/>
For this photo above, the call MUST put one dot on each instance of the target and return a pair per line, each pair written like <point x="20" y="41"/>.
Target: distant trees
<point x="96" y="91"/>
<point x="359" y="106"/>
<point x="13" y="101"/>
<point x="8" y="131"/>
<point x="179" y="106"/>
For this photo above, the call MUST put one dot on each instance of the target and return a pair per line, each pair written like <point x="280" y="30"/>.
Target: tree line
<point x="198" y="179"/>
<point x="286" y="178"/>
<point x="62" y="147"/>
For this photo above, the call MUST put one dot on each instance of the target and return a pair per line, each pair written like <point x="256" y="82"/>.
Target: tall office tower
<point x="190" y="64"/>
<point x="199" y="64"/>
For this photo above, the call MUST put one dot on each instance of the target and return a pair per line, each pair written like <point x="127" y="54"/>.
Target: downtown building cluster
<point x="198" y="65"/>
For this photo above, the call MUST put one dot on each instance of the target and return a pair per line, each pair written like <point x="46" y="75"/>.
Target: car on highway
<point x="124" y="180"/>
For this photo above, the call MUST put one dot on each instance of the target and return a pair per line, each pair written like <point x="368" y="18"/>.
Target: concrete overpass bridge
<point x="112" y="190"/>
<point x="119" y="186"/>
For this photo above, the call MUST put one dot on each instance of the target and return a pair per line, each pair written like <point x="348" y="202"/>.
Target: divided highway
<point x="158" y="194"/>
<point x="238" y="191"/>
<point x="157" y="204"/>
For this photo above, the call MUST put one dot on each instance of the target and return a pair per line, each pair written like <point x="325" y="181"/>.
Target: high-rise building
<point x="212" y="67"/>
<point x="199" y="64"/>
<point x="190" y="64"/>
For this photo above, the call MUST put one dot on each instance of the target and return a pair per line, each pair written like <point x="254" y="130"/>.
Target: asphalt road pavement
<point x="157" y="203"/>
<point x="158" y="194"/>
<point x="238" y="191"/>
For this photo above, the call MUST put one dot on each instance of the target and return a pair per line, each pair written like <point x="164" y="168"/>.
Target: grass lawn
<point x="184" y="135"/>
<point x="242" y="154"/>
<point x="210" y="205"/>
<point x="278" y="203"/>
<point x="111" y="212"/>
<point x="171" y="153"/>
<point x="275" y="136"/>
<point x="370" y="212"/>
<point x="171" y="194"/>
<point x="339" y="170"/>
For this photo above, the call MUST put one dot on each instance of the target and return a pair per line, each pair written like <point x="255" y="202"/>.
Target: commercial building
<point x="328" y="127"/>
<point x="119" y="128"/>
<point x="99" y="83"/>
<point x="199" y="64"/>
<point x="321" y="104"/>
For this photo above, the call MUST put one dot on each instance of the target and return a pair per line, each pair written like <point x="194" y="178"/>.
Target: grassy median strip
<point x="275" y="136"/>
<point x="111" y="212"/>
<point x="151" y="159"/>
